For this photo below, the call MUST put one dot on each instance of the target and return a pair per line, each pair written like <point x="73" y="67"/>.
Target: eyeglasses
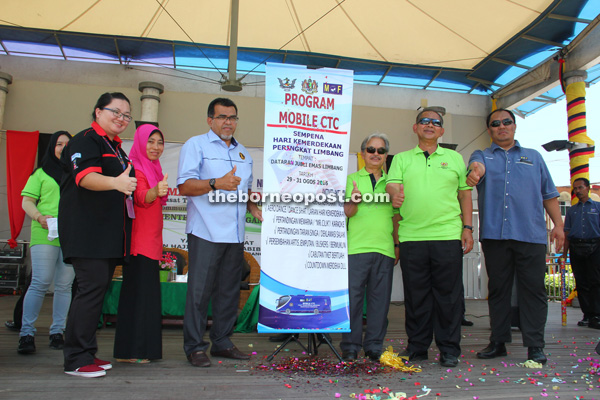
<point x="222" y="118"/>
<point x="372" y="150"/>
<point x="119" y="114"/>
<point x="505" y="122"/>
<point x="427" y="121"/>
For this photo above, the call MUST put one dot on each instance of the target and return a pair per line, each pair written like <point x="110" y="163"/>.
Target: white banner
<point x="304" y="275"/>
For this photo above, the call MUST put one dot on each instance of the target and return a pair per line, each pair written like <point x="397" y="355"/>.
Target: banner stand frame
<point x="311" y="349"/>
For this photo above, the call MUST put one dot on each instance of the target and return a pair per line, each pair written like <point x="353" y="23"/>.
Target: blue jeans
<point x="47" y="265"/>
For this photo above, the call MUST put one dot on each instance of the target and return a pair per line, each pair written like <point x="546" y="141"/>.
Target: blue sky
<point x="551" y="124"/>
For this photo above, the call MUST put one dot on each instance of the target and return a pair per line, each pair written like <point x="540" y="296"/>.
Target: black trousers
<point x="433" y="287"/>
<point x="139" y="320"/>
<point x="93" y="278"/>
<point x="503" y="260"/>
<point x="373" y="273"/>
<point x="586" y="268"/>
<point x="214" y="272"/>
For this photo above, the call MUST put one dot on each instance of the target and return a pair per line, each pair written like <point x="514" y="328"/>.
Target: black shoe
<point x="536" y="354"/>
<point x="466" y="322"/>
<point x="26" y="345"/>
<point x="12" y="326"/>
<point x="448" y="360"/>
<point x="57" y="342"/>
<point x="494" y="349"/>
<point x="415" y="355"/>
<point x="594" y="323"/>
<point x="373" y="355"/>
<point x="349" y="356"/>
<point x="584" y="322"/>
<point x="282" y="337"/>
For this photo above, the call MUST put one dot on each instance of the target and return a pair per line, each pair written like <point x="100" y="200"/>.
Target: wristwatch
<point x="468" y="227"/>
<point x="212" y="183"/>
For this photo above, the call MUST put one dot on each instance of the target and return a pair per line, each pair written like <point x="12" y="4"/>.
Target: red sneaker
<point x="105" y="365"/>
<point x="88" y="371"/>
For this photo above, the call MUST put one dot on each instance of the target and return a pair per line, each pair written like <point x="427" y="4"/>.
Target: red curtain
<point x="21" y="148"/>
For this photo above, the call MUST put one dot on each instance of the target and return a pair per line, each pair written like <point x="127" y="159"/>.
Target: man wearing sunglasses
<point x="514" y="188"/>
<point x="428" y="184"/>
<point x="372" y="233"/>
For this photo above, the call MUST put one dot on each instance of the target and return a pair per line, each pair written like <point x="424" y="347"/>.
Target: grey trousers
<point x="214" y="274"/>
<point x="370" y="272"/>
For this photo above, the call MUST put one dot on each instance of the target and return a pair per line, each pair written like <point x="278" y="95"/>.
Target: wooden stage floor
<point x="570" y="351"/>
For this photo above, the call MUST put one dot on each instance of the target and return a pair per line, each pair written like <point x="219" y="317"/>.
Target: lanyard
<point x="117" y="153"/>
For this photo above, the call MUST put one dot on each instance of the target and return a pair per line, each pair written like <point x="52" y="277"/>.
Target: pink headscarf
<point x="138" y="155"/>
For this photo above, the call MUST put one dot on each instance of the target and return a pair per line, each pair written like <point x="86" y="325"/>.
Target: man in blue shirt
<point x="514" y="188"/>
<point x="214" y="161"/>
<point x="582" y="227"/>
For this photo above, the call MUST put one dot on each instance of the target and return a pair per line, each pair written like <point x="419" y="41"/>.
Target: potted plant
<point x="167" y="265"/>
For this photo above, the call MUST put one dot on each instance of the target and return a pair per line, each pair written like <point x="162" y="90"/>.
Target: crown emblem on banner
<point x="286" y="84"/>
<point x="309" y="86"/>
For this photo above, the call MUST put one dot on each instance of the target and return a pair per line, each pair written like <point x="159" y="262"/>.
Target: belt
<point x="575" y="240"/>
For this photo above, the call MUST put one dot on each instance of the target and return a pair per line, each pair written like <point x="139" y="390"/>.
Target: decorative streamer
<point x="580" y="155"/>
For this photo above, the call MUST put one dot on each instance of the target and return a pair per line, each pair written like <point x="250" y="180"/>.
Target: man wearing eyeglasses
<point x="372" y="253"/>
<point x="514" y="188"/>
<point x="215" y="231"/>
<point x="428" y="184"/>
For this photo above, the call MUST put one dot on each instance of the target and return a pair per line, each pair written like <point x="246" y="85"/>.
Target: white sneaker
<point x="88" y="371"/>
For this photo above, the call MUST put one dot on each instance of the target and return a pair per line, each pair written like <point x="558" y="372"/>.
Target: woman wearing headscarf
<point x="94" y="224"/>
<point x="138" y="336"/>
<point x="40" y="202"/>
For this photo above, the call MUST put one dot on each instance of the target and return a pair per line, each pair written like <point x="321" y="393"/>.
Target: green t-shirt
<point x="370" y="229"/>
<point x="431" y="210"/>
<point x="46" y="191"/>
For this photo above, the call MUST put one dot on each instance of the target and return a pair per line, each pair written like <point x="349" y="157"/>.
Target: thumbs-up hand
<point x="398" y="197"/>
<point x="229" y="181"/>
<point x="476" y="172"/>
<point x="355" y="195"/>
<point x="163" y="186"/>
<point x="124" y="183"/>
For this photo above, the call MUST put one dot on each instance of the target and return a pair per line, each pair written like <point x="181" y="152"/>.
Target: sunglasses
<point x="372" y="150"/>
<point x="426" y="121"/>
<point x="505" y="122"/>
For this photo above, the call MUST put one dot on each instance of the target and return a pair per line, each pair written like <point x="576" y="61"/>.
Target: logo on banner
<point x="286" y="84"/>
<point x="332" y="88"/>
<point x="309" y="86"/>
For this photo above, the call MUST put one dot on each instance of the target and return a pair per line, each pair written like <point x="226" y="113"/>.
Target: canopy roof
<point x="466" y="46"/>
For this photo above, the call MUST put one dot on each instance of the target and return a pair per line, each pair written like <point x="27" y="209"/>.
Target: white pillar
<point x="5" y="80"/>
<point x="574" y="76"/>
<point x="150" y="98"/>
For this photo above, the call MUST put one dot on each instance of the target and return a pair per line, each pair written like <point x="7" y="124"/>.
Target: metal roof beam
<point x="512" y="64"/>
<point x="484" y="82"/>
<point x="540" y="40"/>
<point x="387" y="71"/>
<point x="62" y="51"/>
<point x="542" y="99"/>
<point x="581" y="54"/>
<point x="569" y="18"/>
<point x="432" y="79"/>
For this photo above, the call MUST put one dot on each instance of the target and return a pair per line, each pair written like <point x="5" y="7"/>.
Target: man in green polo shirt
<point x="428" y="184"/>
<point x="372" y="232"/>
